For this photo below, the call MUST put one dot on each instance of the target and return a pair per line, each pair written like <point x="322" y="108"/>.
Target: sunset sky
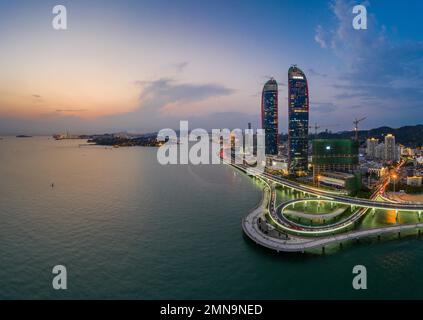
<point x="144" y="65"/>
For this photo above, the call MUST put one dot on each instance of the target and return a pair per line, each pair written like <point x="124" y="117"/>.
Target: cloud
<point x="320" y="36"/>
<point x="180" y="66"/>
<point x="160" y="97"/>
<point x="377" y="71"/>
<point x="323" y="107"/>
<point x="163" y="102"/>
<point x="71" y="110"/>
<point x="37" y="99"/>
<point x="154" y="98"/>
<point x="315" y="73"/>
<point x="167" y="90"/>
<point x="130" y="122"/>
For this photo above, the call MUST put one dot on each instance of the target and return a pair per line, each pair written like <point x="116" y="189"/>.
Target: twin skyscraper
<point x="298" y="120"/>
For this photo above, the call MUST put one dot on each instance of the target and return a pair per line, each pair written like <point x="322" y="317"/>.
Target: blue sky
<point x="144" y="65"/>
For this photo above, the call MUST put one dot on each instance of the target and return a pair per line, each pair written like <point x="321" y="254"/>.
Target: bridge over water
<point x="300" y="244"/>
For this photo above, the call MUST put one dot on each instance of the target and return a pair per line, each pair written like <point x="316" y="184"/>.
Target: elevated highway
<point x="297" y="242"/>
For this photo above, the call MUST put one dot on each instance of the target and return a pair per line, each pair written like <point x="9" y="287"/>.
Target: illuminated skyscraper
<point x="298" y="110"/>
<point x="391" y="149"/>
<point x="371" y="145"/>
<point x="269" y="116"/>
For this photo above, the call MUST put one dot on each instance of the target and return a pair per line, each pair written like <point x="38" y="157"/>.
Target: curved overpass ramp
<point x="299" y="244"/>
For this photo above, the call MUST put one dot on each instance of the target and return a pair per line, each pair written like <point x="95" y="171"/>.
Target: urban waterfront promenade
<point x="297" y="244"/>
<point x="307" y="238"/>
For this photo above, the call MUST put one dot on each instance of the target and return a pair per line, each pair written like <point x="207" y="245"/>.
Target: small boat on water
<point x="23" y="136"/>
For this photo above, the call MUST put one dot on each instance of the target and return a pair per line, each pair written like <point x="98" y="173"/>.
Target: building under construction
<point x="339" y="155"/>
<point x="335" y="163"/>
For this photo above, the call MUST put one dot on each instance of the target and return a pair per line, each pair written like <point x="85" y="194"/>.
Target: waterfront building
<point x="269" y="116"/>
<point x="298" y="114"/>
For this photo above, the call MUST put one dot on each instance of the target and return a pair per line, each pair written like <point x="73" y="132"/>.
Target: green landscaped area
<point x="342" y="213"/>
<point x="316" y="207"/>
<point x="372" y="219"/>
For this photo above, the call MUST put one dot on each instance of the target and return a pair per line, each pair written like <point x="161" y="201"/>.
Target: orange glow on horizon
<point x="86" y="99"/>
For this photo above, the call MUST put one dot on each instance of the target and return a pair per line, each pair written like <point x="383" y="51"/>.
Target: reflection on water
<point x="127" y="227"/>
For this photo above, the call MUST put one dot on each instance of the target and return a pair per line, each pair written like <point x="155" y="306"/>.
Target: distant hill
<point x="411" y="136"/>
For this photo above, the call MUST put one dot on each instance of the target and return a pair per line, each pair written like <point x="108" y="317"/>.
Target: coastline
<point x="251" y="226"/>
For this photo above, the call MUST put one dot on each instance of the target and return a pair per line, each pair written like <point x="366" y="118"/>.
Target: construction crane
<point x="317" y="127"/>
<point x="356" y="123"/>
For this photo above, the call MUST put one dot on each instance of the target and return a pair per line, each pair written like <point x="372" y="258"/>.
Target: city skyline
<point x="139" y="66"/>
<point x="186" y="153"/>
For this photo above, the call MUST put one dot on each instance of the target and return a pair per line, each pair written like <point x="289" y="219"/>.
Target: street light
<point x="394" y="176"/>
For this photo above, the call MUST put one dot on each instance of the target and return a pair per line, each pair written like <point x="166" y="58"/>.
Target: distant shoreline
<point x="107" y="140"/>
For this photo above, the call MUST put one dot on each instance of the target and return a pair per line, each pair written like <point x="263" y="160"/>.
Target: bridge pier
<point x="378" y="237"/>
<point x="340" y="245"/>
<point x="418" y="233"/>
<point x="323" y="249"/>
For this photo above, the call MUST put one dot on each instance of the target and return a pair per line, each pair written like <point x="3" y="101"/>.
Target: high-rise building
<point x="269" y="116"/>
<point x="371" y="145"/>
<point x="390" y="148"/>
<point x="380" y="151"/>
<point x="298" y="113"/>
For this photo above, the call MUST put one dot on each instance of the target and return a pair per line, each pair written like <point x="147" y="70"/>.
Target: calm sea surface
<point x="126" y="227"/>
